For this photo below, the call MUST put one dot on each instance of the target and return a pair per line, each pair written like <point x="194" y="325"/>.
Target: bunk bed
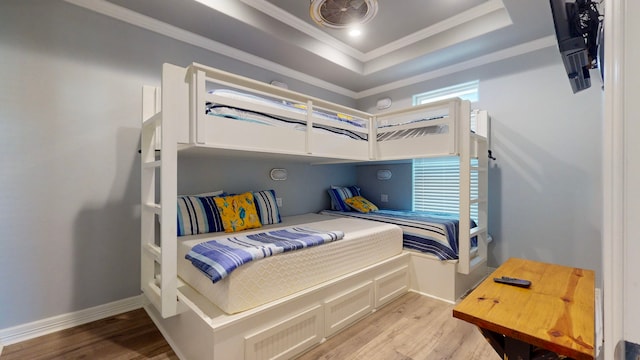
<point x="189" y="113"/>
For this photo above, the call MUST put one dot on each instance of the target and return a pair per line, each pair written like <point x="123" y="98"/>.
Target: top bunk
<point x="213" y="110"/>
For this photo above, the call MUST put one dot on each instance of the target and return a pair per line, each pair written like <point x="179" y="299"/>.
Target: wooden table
<point x="556" y="313"/>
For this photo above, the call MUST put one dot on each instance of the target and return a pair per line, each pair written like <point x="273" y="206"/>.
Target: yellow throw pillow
<point x="238" y="212"/>
<point x="361" y="204"/>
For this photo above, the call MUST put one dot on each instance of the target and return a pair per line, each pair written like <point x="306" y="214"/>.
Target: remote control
<point x="513" y="281"/>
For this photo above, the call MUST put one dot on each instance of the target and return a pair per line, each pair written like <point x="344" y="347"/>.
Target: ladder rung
<point x="152" y="164"/>
<point x="478" y="200"/>
<point x="477" y="168"/>
<point x="154" y="120"/>
<point x="156" y="208"/>
<point x="154" y="294"/>
<point x="154" y="251"/>
<point x="477" y="230"/>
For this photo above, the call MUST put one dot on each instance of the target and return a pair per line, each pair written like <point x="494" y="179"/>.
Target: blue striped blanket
<point x="219" y="257"/>
<point x="428" y="232"/>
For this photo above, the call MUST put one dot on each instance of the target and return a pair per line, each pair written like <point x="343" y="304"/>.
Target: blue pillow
<point x="267" y="207"/>
<point x="198" y="215"/>
<point x="339" y="194"/>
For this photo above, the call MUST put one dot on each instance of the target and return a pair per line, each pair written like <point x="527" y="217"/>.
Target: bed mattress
<point x="259" y="282"/>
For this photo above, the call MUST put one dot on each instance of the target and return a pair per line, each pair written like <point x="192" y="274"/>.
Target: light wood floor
<point x="412" y="327"/>
<point x="131" y="335"/>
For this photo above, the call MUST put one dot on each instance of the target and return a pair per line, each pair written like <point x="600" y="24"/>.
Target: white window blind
<point x="436" y="185"/>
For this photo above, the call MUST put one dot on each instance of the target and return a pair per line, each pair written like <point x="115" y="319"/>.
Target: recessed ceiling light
<point x="355" y="32"/>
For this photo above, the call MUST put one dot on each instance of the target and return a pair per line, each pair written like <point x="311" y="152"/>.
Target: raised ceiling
<point x="406" y="41"/>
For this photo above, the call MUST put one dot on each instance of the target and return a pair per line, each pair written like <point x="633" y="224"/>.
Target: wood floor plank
<point x="131" y="335"/>
<point x="413" y="327"/>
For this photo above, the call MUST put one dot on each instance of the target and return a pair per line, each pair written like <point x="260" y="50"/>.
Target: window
<point x="466" y="91"/>
<point x="436" y="181"/>
<point x="436" y="185"/>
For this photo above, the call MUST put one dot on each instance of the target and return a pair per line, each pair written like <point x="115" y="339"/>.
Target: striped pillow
<point x="338" y="195"/>
<point x="198" y="215"/>
<point x="267" y="207"/>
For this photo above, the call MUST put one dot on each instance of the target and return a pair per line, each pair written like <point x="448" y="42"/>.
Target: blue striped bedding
<point x="257" y="117"/>
<point x="217" y="258"/>
<point x="428" y="232"/>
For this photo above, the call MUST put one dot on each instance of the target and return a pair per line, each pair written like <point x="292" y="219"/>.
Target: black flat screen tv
<point x="578" y="26"/>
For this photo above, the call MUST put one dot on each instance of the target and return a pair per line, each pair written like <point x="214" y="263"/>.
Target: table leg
<point x="515" y="349"/>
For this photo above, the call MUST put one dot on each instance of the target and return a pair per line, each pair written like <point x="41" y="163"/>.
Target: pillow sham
<point x="361" y="204"/>
<point x="267" y="207"/>
<point x="238" y="212"/>
<point x="339" y="193"/>
<point x="198" y="215"/>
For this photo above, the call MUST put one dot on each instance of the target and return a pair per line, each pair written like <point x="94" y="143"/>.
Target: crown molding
<point x="465" y="65"/>
<point x="474" y="13"/>
<point x="131" y="17"/>
<point x="287" y="18"/>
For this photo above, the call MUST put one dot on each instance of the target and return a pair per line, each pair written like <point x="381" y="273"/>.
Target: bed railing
<point x="174" y="117"/>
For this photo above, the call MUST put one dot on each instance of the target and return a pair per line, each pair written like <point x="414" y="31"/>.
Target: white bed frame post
<point x="482" y="153"/>
<point x="472" y="145"/>
<point x="198" y="104"/>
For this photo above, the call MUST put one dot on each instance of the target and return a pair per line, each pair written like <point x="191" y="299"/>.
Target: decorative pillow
<point x="338" y="194"/>
<point x="198" y="215"/>
<point x="267" y="207"/>
<point x="238" y="212"/>
<point x="361" y="204"/>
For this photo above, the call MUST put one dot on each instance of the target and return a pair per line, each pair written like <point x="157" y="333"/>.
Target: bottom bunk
<point x="284" y="327"/>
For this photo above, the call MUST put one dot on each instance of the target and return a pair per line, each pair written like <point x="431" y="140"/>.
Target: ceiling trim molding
<point x="452" y="22"/>
<point x="285" y="17"/>
<point x="131" y="17"/>
<point x="513" y="51"/>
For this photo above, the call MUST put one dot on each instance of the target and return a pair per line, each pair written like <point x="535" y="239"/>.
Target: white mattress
<point x="256" y="283"/>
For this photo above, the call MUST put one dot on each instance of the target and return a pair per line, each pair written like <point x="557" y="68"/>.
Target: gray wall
<point x="70" y="104"/>
<point x="304" y="191"/>
<point x="398" y="189"/>
<point x="545" y="187"/>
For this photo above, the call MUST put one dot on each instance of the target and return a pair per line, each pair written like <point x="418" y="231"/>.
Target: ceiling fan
<point x="340" y="14"/>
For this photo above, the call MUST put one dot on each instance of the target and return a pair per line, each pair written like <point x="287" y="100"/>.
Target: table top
<point x="555" y="313"/>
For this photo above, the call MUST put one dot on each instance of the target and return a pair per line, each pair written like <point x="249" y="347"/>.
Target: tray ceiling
<point x="406" y="41"/>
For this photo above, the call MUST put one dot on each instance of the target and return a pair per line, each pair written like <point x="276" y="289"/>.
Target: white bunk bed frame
<point x="174" y="120"/>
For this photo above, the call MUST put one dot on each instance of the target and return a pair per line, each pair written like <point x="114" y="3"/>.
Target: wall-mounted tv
<point x="578" y="26"/>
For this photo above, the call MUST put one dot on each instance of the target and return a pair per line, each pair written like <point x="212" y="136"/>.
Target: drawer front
<point x="348" y="307"/>
<point x="287" y="338"/>
<point x="391" y="285"/>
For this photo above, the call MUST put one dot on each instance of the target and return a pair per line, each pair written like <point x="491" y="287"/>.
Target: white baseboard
<point x="34" y="329"/>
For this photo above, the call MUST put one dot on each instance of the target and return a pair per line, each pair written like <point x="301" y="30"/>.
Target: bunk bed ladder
<point x="472" y="146"/>
<point x="158" y="193"/>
